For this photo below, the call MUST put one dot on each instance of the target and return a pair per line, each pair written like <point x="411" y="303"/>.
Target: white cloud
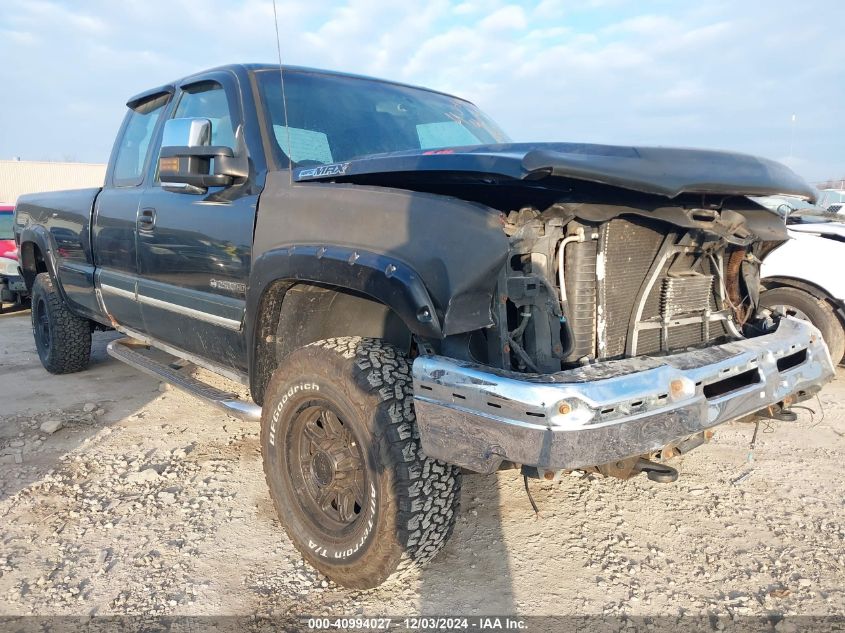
<point x="648" y="25"/>
<point x="468" y="8"/>
<point x="18" y="37"/>
<point x="508" y="17"/>
<point x="548" y="9"/>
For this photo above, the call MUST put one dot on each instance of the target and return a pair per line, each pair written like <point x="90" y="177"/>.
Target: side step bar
<point x="121" y="349"/>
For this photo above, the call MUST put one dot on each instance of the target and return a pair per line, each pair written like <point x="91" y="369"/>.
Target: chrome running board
<point x="121" y="349"/>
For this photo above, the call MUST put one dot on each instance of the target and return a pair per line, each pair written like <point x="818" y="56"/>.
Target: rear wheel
<point x="63" y="340"/>
<point x="343" y="461"/>
<point x="803" y="305"/>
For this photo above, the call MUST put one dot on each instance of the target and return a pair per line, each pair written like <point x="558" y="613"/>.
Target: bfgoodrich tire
<point x="342" y="457"/>
<point x="817" y="311"/>
<point x="63" y="340"/>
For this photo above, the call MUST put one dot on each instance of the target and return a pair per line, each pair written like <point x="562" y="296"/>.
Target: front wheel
<point x="343" y="461"/>
<point x="63" y="340"/>
<point x="803" y="305"/>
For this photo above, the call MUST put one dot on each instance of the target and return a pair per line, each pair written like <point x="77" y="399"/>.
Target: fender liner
<point x="384" y="278"/>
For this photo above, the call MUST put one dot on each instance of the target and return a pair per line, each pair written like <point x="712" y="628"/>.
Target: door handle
<point x="146" y="219"/>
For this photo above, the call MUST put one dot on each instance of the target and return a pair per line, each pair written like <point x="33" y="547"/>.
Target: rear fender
<point x="36" y="240"/>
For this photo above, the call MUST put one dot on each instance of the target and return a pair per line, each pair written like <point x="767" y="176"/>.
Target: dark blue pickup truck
<point x="409" y="294"/>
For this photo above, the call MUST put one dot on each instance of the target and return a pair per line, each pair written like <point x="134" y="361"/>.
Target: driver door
<point x="195" y="247"/>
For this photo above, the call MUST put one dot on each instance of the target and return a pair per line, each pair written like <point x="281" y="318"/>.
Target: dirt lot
<point x="146" y="501"/>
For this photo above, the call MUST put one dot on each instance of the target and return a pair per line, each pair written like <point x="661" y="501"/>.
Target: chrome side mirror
<point x="188" y="163"/>
<point x="186" y="133"/>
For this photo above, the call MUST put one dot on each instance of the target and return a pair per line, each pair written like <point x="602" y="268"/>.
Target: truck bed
<point x="60" y="222"/>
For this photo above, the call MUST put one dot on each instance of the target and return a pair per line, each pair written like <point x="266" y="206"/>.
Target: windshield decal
<point x="337" y="169"/>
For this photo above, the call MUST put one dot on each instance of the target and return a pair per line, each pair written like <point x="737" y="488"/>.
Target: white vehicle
<point x="803" y="279"/>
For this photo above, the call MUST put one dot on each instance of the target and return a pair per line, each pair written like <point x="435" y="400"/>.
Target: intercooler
<point x="640" y="290"/>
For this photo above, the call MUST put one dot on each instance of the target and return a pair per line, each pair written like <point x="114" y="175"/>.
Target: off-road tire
<point x="818" y="312"/>
<point x="411" y="500"/>
<point x="66" y="347"/>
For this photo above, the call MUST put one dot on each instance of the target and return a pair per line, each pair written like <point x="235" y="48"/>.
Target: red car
<point x="12" y="287"/>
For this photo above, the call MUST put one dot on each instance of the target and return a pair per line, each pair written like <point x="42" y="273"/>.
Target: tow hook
<point x="659" y="473"/>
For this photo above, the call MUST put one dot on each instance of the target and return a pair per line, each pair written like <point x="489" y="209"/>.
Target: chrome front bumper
<point x="475" y="416"/>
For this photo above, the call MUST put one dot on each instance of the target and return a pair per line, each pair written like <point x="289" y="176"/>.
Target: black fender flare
<point x="40" y="236"/>
<point x="384" y="278"/>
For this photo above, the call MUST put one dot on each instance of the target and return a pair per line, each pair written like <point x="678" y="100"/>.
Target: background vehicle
<point x="784" y="205"/>
<point x="12" y="288"/>
<point x="408" y="293"/>
<point x="802" y="278"/>
<point x="832" y="200"/>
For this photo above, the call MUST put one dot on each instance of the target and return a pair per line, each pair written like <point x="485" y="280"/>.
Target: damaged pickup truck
<point x="408" y="294"/>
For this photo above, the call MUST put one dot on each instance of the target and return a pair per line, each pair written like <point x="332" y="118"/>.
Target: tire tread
<point x="70" y="334"/>
<point x="428" y="489"/>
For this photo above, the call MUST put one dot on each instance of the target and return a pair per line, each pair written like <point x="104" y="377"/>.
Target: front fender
<point x="384" y="278"/>
<point x="457" y="248"/>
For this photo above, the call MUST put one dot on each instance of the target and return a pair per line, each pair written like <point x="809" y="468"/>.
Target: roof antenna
<point x="284" y="96"/>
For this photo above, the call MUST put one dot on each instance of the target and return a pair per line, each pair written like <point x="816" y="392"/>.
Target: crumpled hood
<point x="660" y="171"/>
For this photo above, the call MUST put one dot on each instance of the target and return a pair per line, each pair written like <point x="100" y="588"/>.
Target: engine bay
<point x="576" y="291"/>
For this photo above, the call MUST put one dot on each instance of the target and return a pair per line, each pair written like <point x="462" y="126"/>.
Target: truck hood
<point x="660" y="171"/>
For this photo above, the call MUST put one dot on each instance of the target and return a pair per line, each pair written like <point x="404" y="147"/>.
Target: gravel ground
<point x="119" y="496"/>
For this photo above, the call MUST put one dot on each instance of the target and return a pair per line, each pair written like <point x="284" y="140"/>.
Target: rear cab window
<point x="133" y="150"/>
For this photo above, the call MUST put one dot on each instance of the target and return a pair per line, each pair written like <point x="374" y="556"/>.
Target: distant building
<point x="836" y="183"/>
<point x="18" y="177"/>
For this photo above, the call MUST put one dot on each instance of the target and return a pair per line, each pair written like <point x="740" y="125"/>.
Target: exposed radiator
<point x="628" y="249"/>
<point x="683" y="291"/>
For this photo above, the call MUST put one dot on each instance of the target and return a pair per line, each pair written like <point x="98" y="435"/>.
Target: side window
<point x="134" y="144"/>
<point x="207" y="100"/>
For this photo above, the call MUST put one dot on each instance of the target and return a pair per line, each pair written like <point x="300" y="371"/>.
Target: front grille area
<point x="684" y="288"/>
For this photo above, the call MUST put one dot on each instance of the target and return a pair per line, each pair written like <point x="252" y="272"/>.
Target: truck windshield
<point x="333" y="118"/>
<point x="6" y="220"/>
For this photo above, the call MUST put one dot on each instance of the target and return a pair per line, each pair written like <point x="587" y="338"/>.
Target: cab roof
<point x="251" y="68"/>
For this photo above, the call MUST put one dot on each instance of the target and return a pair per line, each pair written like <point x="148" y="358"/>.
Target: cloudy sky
<point x="725" y="74"/>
